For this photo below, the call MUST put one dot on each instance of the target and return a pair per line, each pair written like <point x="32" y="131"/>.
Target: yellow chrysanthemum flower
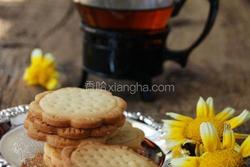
<point x="217" y="154"/>
<point x="185" y="129"/>
<point x="42" y="70"/>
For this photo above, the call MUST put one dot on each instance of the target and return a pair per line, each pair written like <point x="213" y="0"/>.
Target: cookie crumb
<point x="36" y="161"/>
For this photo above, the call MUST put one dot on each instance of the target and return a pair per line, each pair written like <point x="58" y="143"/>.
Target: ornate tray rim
<point x="8" y="113"/>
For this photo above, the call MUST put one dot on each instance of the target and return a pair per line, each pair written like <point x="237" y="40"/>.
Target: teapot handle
<point x="181" y="56"/>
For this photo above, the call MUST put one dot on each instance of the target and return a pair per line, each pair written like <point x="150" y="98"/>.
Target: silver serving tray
<point x="16" y="136"/>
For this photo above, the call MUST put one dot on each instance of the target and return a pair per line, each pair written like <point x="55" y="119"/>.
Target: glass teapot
<point x="126" y="39"/>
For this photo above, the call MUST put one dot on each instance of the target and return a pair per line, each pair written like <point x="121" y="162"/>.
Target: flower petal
<point x="174" y="133"/>
<point x="240" y="135"/>
<point x="245" y="148"/>
<point x="209" y="136"/>
<point x="36" y="56"/>
<point x="52" y="84"/>
<point x="30" y="76"/>
<point x="210" y="106"/>
<point x="228" y="137"/>
<point x="240" y="119"/>
<point x="179" y="117"/>
<point x="199" y="149"/>
<point x="37" y="52"/>
<point x="237" y="147"/>
<point x="226" y="114"/>
<point x="172" y="123"/>
<point x="201" y="108"/>
<point x="49" y="60"/>
<point x="185" y="162"/>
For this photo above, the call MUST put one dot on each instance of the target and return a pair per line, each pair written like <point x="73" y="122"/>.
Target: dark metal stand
<point x="136" y="54"/>
<point x="128" y="55"/>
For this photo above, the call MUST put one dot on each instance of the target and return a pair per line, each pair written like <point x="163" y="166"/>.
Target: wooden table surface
<point x="218" y="68"/>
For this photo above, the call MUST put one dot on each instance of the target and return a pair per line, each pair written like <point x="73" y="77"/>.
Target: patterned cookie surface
<point x="81" y="108"/>
<point x="127" y="136"/>
<point x="99" y="155"/>
<point x="36" y="111"/>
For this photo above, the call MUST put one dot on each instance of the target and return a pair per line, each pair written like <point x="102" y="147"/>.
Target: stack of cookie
<point x="73" y="116"/>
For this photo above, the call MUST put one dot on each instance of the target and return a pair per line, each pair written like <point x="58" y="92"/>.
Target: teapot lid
<point x="127" y="4"/>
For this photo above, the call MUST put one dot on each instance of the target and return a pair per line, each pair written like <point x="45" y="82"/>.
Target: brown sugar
<point x="36" y="161"/>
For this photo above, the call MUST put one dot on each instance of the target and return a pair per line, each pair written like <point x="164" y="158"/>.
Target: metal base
<point x="130" y="55"/>
<point x="146" y="96"/>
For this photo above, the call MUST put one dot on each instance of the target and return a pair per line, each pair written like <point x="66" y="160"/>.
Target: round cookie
<point x="39" y="96"/>
<point x="100" y="155"/>
<point x="60" y="142"/>
<point x="54" y="140"/>
<point x="54" y="155"/>
<point x="36" y="111"/>
<point x="81" y="108"/>
<point x="34" y="133"/>
<point x="34" y="108"/>
<point x="127" y="136"/>
<point x="39" y="125"/>
<point x="73" y="133"/>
